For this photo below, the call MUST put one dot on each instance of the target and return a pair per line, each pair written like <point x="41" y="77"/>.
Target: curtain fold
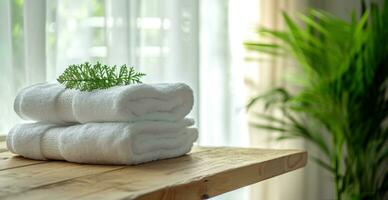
<point x="116" y="31"/>
<point x="7" y="85"/>
<point x="35" y="40"/>
<point x="214" y="73"/>
<point x="22" y="39"/>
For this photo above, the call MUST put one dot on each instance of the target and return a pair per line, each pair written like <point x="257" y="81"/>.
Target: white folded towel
<point x="54" y="103"/>
<point x="103" y="143"/>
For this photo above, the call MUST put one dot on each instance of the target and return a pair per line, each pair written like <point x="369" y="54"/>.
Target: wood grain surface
<point x="203" y="173"/>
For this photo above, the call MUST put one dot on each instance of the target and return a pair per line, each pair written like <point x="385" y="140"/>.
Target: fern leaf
<point x="87" y="77"/>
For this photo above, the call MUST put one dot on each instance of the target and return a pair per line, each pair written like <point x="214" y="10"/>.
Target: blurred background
<point x="197" y="42"/>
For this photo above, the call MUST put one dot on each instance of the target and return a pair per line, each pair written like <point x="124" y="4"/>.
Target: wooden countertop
<point x="203" y="173"/>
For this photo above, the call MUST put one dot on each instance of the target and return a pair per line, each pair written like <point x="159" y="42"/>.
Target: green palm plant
<point x="341" y="102"/>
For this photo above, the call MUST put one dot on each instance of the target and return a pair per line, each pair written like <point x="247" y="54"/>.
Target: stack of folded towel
<point x="121" y="125"/>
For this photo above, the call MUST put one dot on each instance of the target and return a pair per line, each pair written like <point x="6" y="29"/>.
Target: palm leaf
<point x="341" y="104"/>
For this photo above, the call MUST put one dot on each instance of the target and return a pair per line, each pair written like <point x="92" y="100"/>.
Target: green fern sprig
<point x="87" y="77"/>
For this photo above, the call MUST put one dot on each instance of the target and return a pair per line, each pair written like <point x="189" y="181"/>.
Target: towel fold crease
<point x="54" y="103"/>
<point x="103" y="143"/>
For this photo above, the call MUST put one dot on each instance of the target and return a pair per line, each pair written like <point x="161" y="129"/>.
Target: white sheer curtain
<point x="193" y="41"/>
<point x="40" y="38"/>
<point x="22" y="52"/>
<point x="170" y="40"/>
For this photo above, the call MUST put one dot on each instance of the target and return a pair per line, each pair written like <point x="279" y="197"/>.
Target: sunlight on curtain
<point x="222" y="94"/>
<point x="22" y="51"/>
<point x="7" y="85"/>
<point x="41" y="38"/>
<point x="158" y="38"/>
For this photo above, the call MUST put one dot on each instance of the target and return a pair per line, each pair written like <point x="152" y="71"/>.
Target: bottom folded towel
<point x="103" y="143"/>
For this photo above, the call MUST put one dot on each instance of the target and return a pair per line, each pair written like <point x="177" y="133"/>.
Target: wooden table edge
<point x="203" y="187"/>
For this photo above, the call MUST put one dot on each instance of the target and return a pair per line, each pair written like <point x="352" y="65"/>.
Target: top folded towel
<point x="54" y="103"/>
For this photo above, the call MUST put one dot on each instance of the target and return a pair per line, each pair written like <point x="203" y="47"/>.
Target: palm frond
<point x="342" y="104"/>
